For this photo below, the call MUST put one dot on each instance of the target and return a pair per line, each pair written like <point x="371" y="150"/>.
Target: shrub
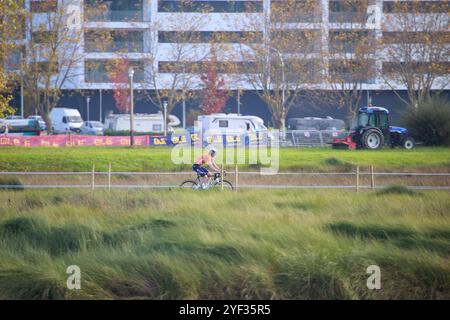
<point x="430" y="122"/>
<point x="397" y="190"/>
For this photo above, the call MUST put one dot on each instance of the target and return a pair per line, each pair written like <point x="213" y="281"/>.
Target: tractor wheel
<point x="372" y="139"/>
<point x="409" y="143"/>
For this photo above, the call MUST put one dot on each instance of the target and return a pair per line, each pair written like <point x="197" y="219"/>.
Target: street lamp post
<point x="239" y="101"/>
<point x="130" y="75"/>
<point x="21" y="86"/>
<point x="184" y="110"/>
<point x="100" y="118"/>
<point x="88" y="100"/>
<point x="165" y="117"/>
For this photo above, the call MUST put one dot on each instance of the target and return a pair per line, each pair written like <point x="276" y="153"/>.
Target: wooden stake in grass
<point x="236" y="173"/>
<point x="372" y="178"/>
<point x="357" y="178"/>
<point x="221" y="176"/>
<point x="93" y="177"/>
<point x="109" y="177"/>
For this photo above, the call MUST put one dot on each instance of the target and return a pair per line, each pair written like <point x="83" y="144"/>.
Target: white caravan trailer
<point x="231" y="123"/>
<point x="66" y="120"/>
<point x="142" y="122"/>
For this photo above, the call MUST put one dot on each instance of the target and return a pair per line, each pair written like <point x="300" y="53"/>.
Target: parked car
<point x="20" y="127"/>
<point x="13" y="118"/>
<point x="92" y="128"/>
<point x="66" y="120"/>
<point x="41" y="122"/>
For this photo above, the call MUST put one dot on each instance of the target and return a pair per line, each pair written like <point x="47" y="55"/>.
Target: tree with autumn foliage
<point x="214" y="95"/>
<point x="118" y="73"/>
<point x="10" y="29"/>
<point x="416" y="50"/>
<point x="351" y="53"/>
<point x="283" y="65"/>
<point x="176" y="77"/>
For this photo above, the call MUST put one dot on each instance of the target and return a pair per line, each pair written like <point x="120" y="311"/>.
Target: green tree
<point x="11" y="18"/>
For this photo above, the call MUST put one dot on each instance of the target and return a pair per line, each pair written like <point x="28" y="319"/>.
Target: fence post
<point x="236" y="173"/>
<point x="93" y="177"/>
<point x="357" y="178"/>
<point x="109" y="177"/>
<point x="372" y="178"/>
<point x="221" y="176"/>
<point x="321" y="139"/>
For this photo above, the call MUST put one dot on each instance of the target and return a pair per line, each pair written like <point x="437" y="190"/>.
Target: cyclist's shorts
<point x="200" y="170"/>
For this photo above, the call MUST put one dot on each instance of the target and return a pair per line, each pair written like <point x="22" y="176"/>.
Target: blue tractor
<point x="372" y="130"/>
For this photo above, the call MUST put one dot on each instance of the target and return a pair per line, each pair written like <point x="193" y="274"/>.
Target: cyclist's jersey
<point x="203" y="159"/>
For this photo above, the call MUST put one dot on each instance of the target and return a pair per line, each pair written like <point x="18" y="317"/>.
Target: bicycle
<point x="215" y="181"/>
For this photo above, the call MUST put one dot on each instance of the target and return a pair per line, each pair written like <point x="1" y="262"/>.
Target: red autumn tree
<point x="214" y="96"/>
<point x="119" y="79"/>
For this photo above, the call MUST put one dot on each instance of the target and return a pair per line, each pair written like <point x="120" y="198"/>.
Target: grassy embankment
<point x="158" y="159"/>
<point x="255" y="244"/>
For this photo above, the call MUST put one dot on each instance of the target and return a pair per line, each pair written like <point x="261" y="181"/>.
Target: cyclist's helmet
<point x="213" y="151"/>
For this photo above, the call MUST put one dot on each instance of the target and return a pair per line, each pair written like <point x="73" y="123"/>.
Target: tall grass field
<point x="159" y="159"/>
<point x="254" y="244"/>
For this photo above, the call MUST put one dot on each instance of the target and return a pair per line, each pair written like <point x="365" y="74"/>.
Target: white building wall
<point x="154" y="21"/>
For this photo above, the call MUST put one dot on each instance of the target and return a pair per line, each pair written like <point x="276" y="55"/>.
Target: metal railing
<point x="354" y="180"/>
<point x="311" y="138"/>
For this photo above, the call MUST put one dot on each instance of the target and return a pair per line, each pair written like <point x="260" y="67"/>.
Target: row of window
<point x="210" y="6"/>
<point x="416" y="6"/>
<point x="209" y="36"/>
<point x="96" y="71"/>
<point x="253" y="6"/>
<point x="132" y="41"/>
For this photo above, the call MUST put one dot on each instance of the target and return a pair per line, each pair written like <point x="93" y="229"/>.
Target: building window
<point x="415" y="37"/>
<point x="438" y="68"/>
<point x="46" y="67"/>
<point x="229" y="67"/>
<point x="113" y="41"/>
<point x="352" y="70"/>
<point x="295" y="11"/>
<point x="115" y="11"/>
<point x="296" y="41"/>
<point x="45" y="37"/>
<point x="223" y="123"/>
<point x="156" y="128"/>
<point x="97" y="71"/>
<point x="209" y="36"/>
<point x="210" y="6"/>
<point x="44" y="6"/>
<point x="416" y="6"/>
<point x="348" y="11"/>
<point x="351" y="41"/>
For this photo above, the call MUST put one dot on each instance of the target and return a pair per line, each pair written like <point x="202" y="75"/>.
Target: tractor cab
<point x="372" y="117"/>
<point x="371" y="130"/>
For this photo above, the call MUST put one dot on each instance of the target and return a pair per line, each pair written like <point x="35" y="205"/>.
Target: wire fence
<point x="311" y="138"/>
<point x="355" y="180"/>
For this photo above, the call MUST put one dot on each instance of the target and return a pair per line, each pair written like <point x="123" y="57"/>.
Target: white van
<point x="66" y="120"/>
<point x="231" y="123"/>
<point x="143" y="122"/>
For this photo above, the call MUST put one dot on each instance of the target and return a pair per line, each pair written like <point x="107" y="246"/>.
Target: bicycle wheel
<point x="226" y="185"/>
<point x="189" y="184"/>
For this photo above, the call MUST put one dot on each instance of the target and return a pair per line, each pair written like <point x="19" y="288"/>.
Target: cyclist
<point x="199" y="166"/>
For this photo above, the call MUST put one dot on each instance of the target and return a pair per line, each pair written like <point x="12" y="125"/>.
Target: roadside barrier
<point x="74" y="140"/>
<point x="354" y="179"/>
